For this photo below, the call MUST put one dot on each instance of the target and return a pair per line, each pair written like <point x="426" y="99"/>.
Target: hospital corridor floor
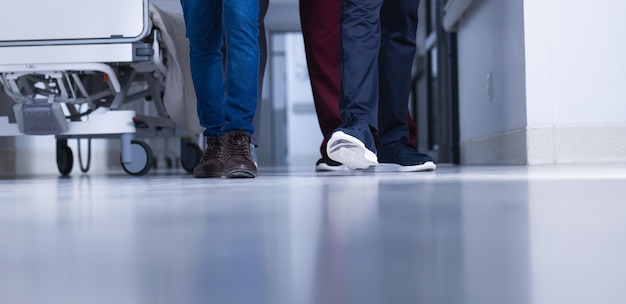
<point x="459" y="235"/>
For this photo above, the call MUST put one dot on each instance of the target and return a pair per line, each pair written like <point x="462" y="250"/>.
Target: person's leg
<point x="242" y="63"/>
<point x="203" y="21"/>
<point x="397" y="52"/>
<point x="412" y="128"/>
<point x="256" y="120"/>
<point x="360" y="44"/>
<point x="352" y="143"/>
<point x="320" y="23"/>
<point x="241" y="26"/>
<point x="255" y="140"/>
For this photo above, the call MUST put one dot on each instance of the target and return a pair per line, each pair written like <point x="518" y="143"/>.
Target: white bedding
<point x="179" y="95"/>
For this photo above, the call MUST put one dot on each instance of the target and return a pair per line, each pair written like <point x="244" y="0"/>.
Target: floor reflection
<point x="461" y="235"/>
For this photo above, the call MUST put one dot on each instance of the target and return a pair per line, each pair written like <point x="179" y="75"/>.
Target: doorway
<point x="289" y="121"/>
<point x="434" y="100"/>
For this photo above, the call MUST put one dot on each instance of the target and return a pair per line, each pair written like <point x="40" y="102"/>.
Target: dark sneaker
<point x="211" y="164"/>
<point x="237" y="158"/>
<point x="402" y="156"/>
<point x="353" y="146"/>
<point x="327" y="164"/>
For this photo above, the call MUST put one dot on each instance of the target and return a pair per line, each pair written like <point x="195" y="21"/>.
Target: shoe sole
<point x="207" y="175"/>
<point x="327" y="168"/>
<point x="240" y="173"/>
<point x="390" y="167"/>
<point x="350" y="151"/>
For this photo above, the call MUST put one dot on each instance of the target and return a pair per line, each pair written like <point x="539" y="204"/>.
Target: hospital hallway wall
<point x="529" y="93"/>
<point x="533" y="213"/>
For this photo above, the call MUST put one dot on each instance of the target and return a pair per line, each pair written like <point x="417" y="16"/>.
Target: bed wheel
<point x="142" y="159"/>
<point x="65" y="157"/>
<point x="190" y="156"/>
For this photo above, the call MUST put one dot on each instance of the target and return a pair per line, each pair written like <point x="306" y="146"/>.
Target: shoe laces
<point x="238" y="144"/>
<point x="214" y="148"/>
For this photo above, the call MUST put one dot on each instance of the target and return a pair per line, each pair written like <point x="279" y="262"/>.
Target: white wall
<point x="579" y="47"/>
<point x="559" y="82"/>
<point x="576" y="81"/>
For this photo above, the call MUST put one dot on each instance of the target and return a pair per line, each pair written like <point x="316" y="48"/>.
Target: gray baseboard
<point x="501" y="149"/>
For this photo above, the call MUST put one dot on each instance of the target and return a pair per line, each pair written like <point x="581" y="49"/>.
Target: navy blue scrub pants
<point x="378" y="45"/>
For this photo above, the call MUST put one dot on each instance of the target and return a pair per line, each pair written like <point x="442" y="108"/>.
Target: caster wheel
<point x="142" y="159"/>
<point x="65" y="159"/>
<point x="190" y="156"/>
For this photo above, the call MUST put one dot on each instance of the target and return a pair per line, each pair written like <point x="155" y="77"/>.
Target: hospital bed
<point x="72" y="67"/>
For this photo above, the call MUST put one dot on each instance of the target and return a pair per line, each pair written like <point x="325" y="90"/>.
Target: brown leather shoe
<point x="212" y="162"/>
<point x="237" y="159"/>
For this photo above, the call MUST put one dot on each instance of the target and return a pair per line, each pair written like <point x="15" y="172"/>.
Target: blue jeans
<point x="226" y="90"/>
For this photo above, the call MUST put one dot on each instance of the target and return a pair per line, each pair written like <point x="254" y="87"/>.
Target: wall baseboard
<point x="507" y="148"/>
<point x="577" y="144"/>
<point x="547" y="145"/>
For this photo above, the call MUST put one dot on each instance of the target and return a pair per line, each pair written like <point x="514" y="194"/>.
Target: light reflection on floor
<point x="458" y="235"/>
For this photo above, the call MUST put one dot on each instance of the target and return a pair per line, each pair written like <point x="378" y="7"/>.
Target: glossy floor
<point x="459" y="235"/>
